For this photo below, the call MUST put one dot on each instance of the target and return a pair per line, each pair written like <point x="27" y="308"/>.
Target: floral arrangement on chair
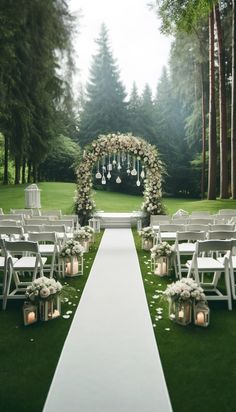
<point x="185" y="289"/>
<point x="162" y="249"/>
<point x="43" y="288"/>
<point x="147" y="233"/>
<point x="72" y="248"/>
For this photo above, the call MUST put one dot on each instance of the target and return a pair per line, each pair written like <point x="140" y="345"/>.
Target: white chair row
<point x="168" y="232"/>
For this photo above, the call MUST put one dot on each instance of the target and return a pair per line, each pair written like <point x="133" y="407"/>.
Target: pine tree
<point x="105" y="107"/>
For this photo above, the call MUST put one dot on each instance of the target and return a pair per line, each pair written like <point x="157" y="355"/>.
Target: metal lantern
<point x="147" y="244"/>
<point x="160" y="265"/>
<point x="180" y="311"/>
<point x="30" y="313"/>
<point x="50" y="309"/>
<point x="201" y="313"/>
<point x="73" y="266"/>
<point x="95" y="224"/>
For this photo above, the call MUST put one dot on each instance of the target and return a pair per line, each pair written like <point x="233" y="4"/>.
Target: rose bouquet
<point x="147" y="233"/>
<point x="162" y="249"/>
<point x="72" y="248"/>
<point x="185" y="289"/>
<point x="43" y="288"/>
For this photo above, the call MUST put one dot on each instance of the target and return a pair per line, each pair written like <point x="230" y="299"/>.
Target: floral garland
<point x="114" y="143"/>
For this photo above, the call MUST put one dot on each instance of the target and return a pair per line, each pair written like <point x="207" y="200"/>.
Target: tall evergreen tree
<point x="105" y="107"/>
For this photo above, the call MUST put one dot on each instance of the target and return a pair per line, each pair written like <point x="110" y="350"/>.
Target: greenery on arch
<point x="113" y="144"/>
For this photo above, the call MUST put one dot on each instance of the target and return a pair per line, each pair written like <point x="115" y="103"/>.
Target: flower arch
<point x="111" y="144"/>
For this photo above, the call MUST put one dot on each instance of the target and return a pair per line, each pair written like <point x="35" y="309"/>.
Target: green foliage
<point x="60" y="161"/>
<point x="104" y="110"/>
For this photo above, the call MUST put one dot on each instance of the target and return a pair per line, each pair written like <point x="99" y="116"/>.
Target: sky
<point x="138" y="46"/>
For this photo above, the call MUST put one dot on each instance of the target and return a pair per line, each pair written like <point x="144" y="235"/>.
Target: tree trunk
<point x="34" y="173"/>
<point x="212" y="115"/>
<point x="233" y="110"/>
<point x="23" y="180"/>
<point x="29" y="173"/>
<point x="203" y="134"/>
<point x="6" y="149"/>
<point x="17" y="170"/>
<point x="224" y="175"/>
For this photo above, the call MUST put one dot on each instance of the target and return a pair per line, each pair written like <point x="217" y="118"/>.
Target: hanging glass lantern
<point x="142" y="174"/>
<point x="138" y="181"/>
<point x="109" y="175"/>
<point x="201" y="313"/>
<point x="114" y="160"/>
<point x="98" y="174"/>
<point x="118" y="180"/>
<point x="134" y="171"/>
<point x="103" y="180"/>
<point x="118" y="161"/>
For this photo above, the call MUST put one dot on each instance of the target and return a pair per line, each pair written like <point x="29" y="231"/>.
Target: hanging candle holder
<point x="138" y="181"/>
<point x="98" y="174"/>
<point x="118" y="180"/>
<point x="109" y="166"/>
<point x="109" y="175"/>
<point x="114" y="160"/>
<point x="103" y="164"/>
<point x="128" y="164"/>
<point x="142" y="174"/>
<point x="123" y="157"/>
<point x="134" y="171"/>
<point x="118" y="162"/>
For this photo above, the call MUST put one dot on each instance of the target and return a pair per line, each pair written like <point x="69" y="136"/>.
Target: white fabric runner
<point x="110" y="361"/>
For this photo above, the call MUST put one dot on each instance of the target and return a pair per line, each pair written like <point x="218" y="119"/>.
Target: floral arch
<point x="115" y="145"/>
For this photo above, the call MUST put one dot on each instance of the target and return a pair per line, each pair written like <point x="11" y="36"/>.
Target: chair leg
<point x="227" y="284"/>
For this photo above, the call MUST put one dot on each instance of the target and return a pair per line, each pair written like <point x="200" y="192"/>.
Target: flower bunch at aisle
<point x="83" y="236"/>
<point x="72" y="258"/>
<point x="45" y="292"/>
<point x="147" y="234"/>
<point x="161" y="258"/>
<point x="182" y="296"/>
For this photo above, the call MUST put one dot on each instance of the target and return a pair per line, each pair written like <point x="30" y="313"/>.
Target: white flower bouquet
<point x="72" y="248"/>
<point x="43" y="288"/>
<point x="162" y="249"/>
<point x="185" y="289"/>
<point x="147" y="233"/>
<point x="82" y="235"/>
<point x="89" y="230"/>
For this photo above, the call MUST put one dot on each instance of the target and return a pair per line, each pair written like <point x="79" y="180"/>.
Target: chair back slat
<point x="21" y="246"/>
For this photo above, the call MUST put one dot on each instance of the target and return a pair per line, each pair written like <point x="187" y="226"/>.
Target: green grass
<point x="60" y="196"/>
<point x="29" y="354"/>
<point x="198" y="363"/>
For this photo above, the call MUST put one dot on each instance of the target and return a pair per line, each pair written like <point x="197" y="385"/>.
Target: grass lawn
<point x="55" y="195"/>
<point x="199" y="363"/>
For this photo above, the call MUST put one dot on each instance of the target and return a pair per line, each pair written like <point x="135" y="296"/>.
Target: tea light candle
<point x="200" y="318"/>
<point x="31" y="317"/>
<point x="56" y="313"/>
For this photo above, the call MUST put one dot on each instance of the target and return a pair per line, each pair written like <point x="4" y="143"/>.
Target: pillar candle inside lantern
<point x="200" y="318"/>
<point x="161" y="269"/>
<point x="181" y="314"/>
<point x="72" y="267"/>
<point x="31" y="317"/>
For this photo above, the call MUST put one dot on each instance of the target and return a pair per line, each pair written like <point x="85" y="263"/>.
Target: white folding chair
<point x="56" y="214"/>
<point x="207" y="270"/>
<point x="29" y="262"/>
<point x="11" y="232"/>
<point x="223" y="227"/>
<point x="185" y="245"/>
<point x="8" y="222"/>
<point x="197" y="227"/>
<point x="221" y="234"/>
<point x="32" y="228"/>
<point x="204" y="220"/>
<point x="48" y="247"/>
<point x="37" y="220"/>
<point x="69" y="224"/>
<point x="3" y="268"/>
<point x="25" y="212"/>
<point x="155" y="220"/>
<point x="18" y="218"/>
<point x="71" y="217"/>
<point x="168" y="232"/>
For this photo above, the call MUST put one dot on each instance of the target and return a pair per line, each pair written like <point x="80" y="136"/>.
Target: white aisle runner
<point x="110" y="361"/>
